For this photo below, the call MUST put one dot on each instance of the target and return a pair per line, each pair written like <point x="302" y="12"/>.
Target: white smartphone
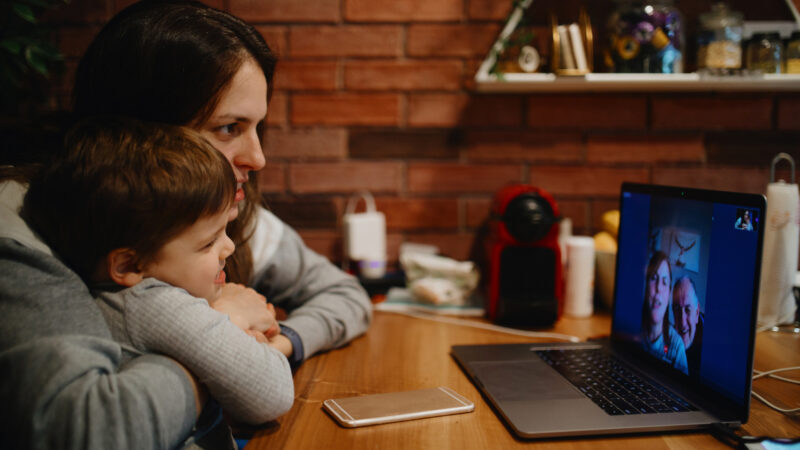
<point x="396" y="406"/>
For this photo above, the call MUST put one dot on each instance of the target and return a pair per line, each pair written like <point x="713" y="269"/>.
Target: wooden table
<point x="403" y="353"/>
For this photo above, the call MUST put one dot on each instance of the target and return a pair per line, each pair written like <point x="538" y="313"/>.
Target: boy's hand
<point x="247" y="309"/>
<point x="258" y="335"/>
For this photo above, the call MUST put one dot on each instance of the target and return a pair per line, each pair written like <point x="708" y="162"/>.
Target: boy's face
<point x="194" y="259"/>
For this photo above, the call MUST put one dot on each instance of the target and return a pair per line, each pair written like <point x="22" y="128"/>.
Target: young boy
<point x="139" y="211"/>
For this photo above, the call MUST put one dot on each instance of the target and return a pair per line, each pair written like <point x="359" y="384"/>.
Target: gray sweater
<point x="64" y="382"/>
<point x="251" y="381"/>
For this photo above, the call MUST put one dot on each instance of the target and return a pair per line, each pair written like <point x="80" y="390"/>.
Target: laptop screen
<point x="687" y="282"/>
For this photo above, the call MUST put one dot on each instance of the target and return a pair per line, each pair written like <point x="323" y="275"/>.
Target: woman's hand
<point x="282" y="344"/>
<point x="247" y="309"/>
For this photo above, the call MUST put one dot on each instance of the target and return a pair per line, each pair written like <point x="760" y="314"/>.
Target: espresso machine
<point x="523" y="271"/>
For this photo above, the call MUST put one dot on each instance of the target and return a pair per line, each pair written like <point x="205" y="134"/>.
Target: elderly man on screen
<point x="688" y="321"/>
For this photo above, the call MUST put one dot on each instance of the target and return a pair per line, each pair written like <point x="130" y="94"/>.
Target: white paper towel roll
<point x="779" y="261"/>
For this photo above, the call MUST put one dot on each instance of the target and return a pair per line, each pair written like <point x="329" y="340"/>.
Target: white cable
<point x="770" y="374"/>
<point x="775" y="407"/>
<point x="485" y="326"/>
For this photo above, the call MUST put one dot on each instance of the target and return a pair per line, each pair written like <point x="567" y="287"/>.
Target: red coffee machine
<point x="523" y="274"/>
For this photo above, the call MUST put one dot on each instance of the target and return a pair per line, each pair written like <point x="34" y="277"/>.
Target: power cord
<point x="728" y="436"/>
<point x="771" y="374"/>
<point x="486" y="326"/>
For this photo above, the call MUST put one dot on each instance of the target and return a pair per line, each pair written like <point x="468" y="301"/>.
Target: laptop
<point x="663" y="367"/>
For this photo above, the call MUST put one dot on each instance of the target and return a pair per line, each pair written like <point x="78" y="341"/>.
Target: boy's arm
<point x="252" y="381"/>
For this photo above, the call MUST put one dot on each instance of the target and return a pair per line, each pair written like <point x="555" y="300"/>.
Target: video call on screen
<point x="685" y="281"/>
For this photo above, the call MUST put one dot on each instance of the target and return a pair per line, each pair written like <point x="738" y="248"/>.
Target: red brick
<point x="286" y="10"/>
<point x="277" y="110"/>
<point x="456" y="245"/>
<point x="79" y="11"/>
<point x="739" y="179"/>
<point x="588" y="112"/>
<point x="73" y="41"/>
<point x="478" y="210"/>
<point x="404" y="144"/>
<point x="393" y="241"/>
<point x="345" y="40"/>
<point x="122" y="4"/>
<point x="63" y="82"/>
<point x="403" y="11"/>
<point x="789" y="113"/>
<point x="346" y="109"/>
<point x="305" y="212"/>
<point x="451" y="40"/>
<point x="272" y="178"/>
<point x="345" y="177"/>
<point x="645" y="149"/>
<point x="524" y="146"/>
<point x="307" y="75"/>
<point x="471" y="66"/>
<point x="588" y="181"/>
<point x="461" y="178"/>
<point x="276" y="39"/>
<point x="712" y="113"/>
<point x="577" y="211"/>
<point x="488" y="9"/>
<point x="327" y="243"/>
<point x="418" y="213"/>
<point x="753" y="148"/>
<point x="447" y="110"/>
<point x="403" y="75"/>
<point x="306" y="144"/>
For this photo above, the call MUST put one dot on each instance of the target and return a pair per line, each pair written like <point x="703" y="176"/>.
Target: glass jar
<point x="793" y="53"/>
<point x="719" y="40"/>
<point x="765" y="53"/>
<point x="645" y="37"/>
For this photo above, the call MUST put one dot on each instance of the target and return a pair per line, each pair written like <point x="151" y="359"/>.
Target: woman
<point x="181" y="63"/>
<point x="658" y="336"/>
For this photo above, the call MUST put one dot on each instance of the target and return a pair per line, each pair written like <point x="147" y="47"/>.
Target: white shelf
<point x="634" y="82"/>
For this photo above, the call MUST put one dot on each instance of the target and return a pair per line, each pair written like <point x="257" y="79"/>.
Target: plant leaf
<point x="11" y="45"/>
<point x="24" y="11"/>
<point x="35" y="61"/>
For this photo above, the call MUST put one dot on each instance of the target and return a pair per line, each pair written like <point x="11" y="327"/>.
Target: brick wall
<point x="378" y="95"/>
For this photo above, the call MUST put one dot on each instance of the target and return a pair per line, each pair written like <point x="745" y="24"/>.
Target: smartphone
<point x="396" y="406"/>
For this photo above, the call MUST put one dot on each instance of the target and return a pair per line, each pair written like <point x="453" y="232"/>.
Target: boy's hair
<point x="123" y="183"/>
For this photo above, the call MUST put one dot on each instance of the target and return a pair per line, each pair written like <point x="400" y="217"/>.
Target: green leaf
<point x="24" y="11"/>
<point x="34" y="59"/>
<point x="11" y="45"/>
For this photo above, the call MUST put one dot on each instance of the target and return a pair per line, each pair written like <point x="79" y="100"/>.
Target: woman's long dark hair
<point x="169" y="62"/>
<point x="652" y="268"/>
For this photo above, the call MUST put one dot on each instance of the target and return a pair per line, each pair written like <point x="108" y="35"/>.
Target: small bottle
<point x="793" y="53"/>
<point x="765" y="53"/>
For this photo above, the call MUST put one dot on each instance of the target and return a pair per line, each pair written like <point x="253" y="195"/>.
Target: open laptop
<point x="640" y="378"/>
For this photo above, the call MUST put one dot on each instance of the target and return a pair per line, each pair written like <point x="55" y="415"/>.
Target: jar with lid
<point x="793" y="53"/>
<point x="765" y="53"/>
<point x="719" y="40"/>
<point x="645" y="37"/>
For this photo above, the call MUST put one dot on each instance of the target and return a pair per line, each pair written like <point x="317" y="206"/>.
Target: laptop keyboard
<point x="611" y="384"/>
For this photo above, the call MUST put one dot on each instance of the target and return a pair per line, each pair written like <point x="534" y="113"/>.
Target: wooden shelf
<point x="612" y="82"/>
<point x="634" y="82"/>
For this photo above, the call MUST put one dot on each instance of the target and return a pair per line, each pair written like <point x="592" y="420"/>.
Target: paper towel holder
<point x="775" y="162"/>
